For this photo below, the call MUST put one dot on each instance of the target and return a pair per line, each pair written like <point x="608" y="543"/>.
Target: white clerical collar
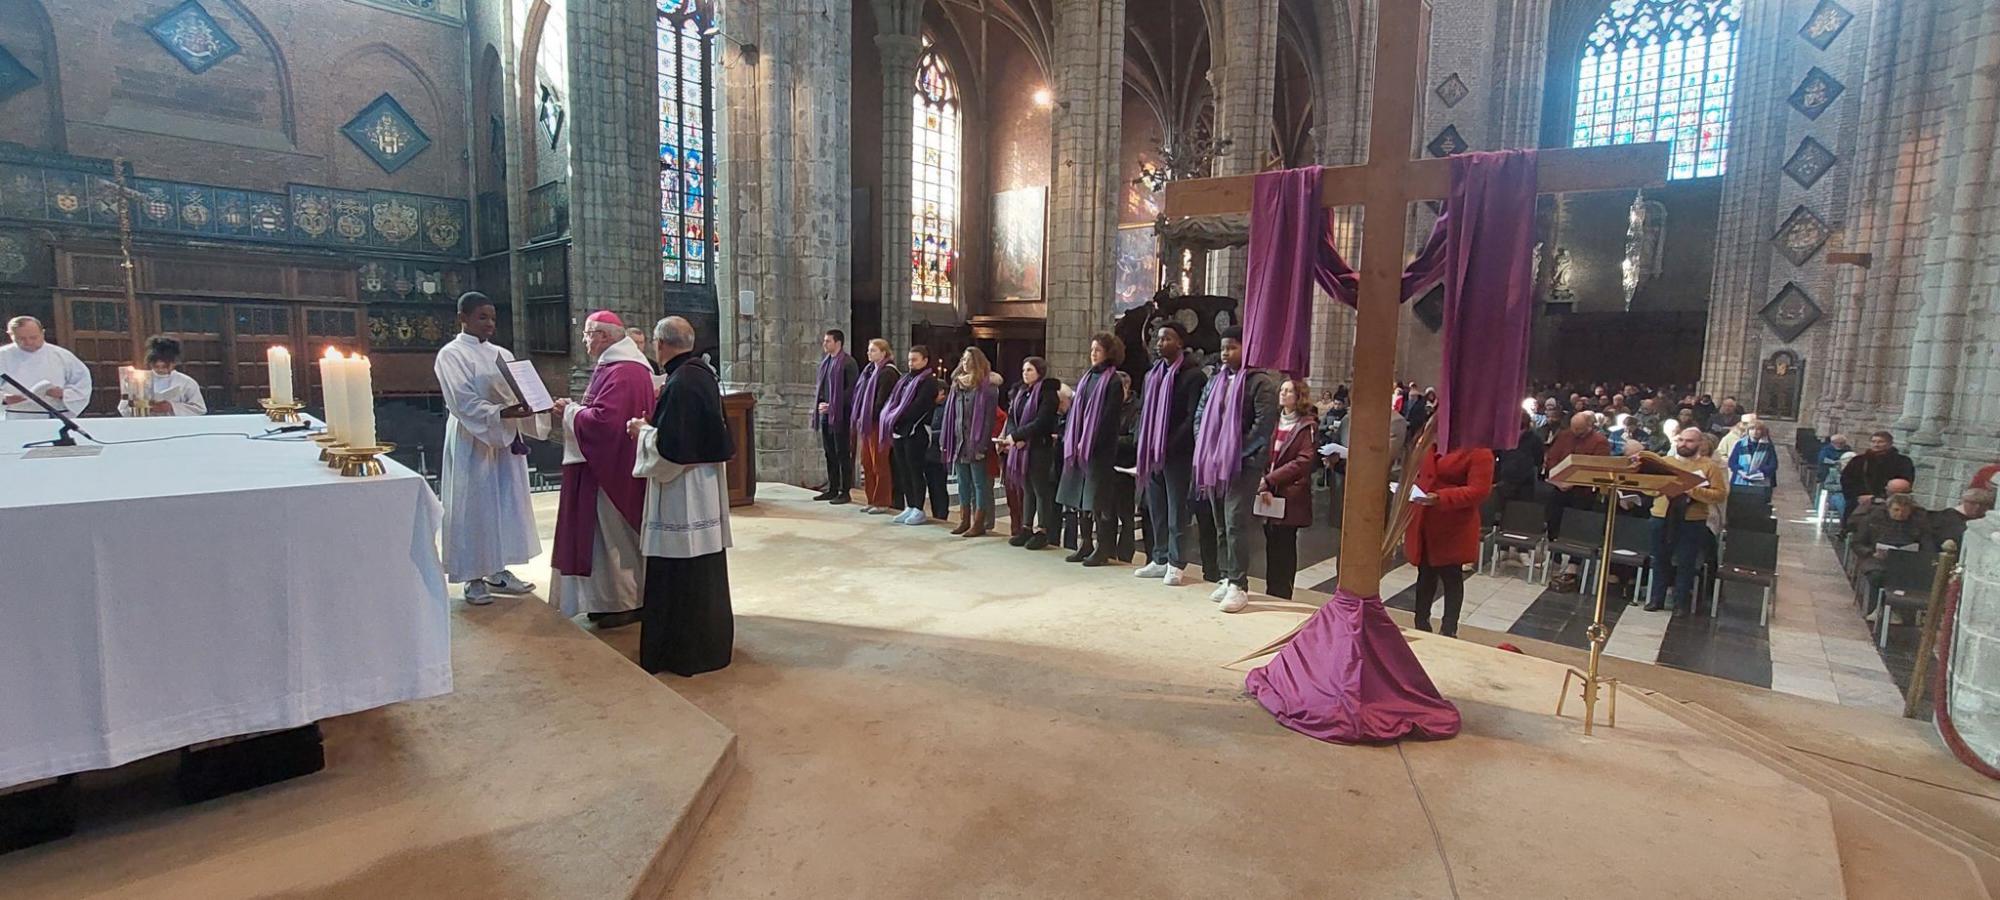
<point x="467" y="338"/>
<point x="623" y="351"/>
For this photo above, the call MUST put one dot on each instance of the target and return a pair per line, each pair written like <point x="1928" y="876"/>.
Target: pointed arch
<point x="25" y="21"/>
<point x="286" y="109"/>
<point x="937" y="178"/>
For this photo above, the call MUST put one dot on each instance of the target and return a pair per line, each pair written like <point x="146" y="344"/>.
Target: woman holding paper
<point x="1444" y="532"/>
<point x="1284" y="496"/>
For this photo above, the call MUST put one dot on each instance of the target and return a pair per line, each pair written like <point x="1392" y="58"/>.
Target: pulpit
<point x="738" y="409"/>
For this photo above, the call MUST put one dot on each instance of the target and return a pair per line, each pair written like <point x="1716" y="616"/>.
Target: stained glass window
<point x="1661" y="70"/>
<point x="934" y="182"/>
<point x="685" y="150"/>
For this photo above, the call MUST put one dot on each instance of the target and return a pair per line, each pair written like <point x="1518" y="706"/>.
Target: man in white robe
<point x="488" y="521"/>
<point x="51" y="371"/>
<point x="597" y="557"/>
<point x="688" y="627"/>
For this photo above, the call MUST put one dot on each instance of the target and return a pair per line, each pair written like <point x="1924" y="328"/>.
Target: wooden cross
<point x="1385" y="187"/>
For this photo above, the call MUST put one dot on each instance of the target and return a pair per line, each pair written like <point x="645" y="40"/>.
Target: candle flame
<point x="331" y="353"/>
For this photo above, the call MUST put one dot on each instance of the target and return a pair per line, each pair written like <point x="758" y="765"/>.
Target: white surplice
<point x="687" y="507"/>
<point x="49" y="367"/>
<point x="489" y="523"/>
<point x="175" y="387"/>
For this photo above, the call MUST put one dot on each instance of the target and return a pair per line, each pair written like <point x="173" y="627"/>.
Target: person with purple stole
<point x="1239" y="411"/>
<point x="1032" y="453"/>
<point x="871" y="396"/>
<point x="1166" y="452"/>
<point x="834" y="395"/>
<point x="971" y="417"/>
<point x="597" y="560"/>
<point x="1090" y="452"/>
<point x="906" y="422"/>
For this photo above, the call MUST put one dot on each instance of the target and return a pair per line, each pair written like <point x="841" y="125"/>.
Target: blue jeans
<point x="1169" y="502"/>
<point x="975" y="489"/>
<point x="1678" y="547"/>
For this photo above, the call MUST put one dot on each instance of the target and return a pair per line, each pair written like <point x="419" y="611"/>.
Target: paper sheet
<point x="1332" y="449"/>
<point x="527" y="385"/>
<point x="1416" y="493"/>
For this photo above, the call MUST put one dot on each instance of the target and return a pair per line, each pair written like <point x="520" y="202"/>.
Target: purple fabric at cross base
<point x="1350" y="677"/>
<point x="1482" y="248"/>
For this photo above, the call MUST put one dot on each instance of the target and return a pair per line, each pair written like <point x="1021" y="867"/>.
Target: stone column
<point x="614" y="258"/>
<point x="1083" y="215"/>
<point x="1245" y="75"/>
<point x="1973" y="684"/>
<point x="899" y="76"/>
<point x="786" y="212"/>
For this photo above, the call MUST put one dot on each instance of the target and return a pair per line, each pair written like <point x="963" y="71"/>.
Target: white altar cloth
<point x="168" y="593"/>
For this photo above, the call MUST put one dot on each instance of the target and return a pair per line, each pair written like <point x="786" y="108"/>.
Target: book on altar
<point x="527" y="384"/>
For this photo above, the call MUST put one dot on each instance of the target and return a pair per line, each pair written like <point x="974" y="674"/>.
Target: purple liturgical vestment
<point x="621" y="389"/>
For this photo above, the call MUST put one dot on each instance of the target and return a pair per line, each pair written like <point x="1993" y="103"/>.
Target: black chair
<point x="1906" y="584"/>
<point x="1522" y="527"/>
<point x="1748" y="557"/>
<point x="1749" y="510"/>
<point x="1756" y="524"/>
<point x="1581" y="537"/>
<point x="1632" y="545"/>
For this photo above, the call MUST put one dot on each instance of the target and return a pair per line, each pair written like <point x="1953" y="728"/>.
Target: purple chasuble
<point x="620" y="391"/>
<point x="1159" y="401"/>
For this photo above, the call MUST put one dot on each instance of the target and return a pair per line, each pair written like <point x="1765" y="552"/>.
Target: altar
<point x="197" y="580"/>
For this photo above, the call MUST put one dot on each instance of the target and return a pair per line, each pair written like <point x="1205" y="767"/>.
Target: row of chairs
<point x="1749" y="548"/>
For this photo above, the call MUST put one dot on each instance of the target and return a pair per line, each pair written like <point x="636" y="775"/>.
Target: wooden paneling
<point x="334" y="284"/>
<point x="204" y="353"/>
<point x="215" y="278"/>
<point x="739" y="411"/>
<point x="99" y="332"/>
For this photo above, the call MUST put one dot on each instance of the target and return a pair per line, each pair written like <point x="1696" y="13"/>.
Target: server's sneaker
<point x="1235" y="599"/>
<point x="478" y="592"/>
<point x="1174" y="577"/>
<point x="507" y="584"/>
<point x="1221" y="590"/>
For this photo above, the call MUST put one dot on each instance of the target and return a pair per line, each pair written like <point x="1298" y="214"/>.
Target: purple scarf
<point x="865" y="415"/>
<point x="1026" y="405"/>
<point x="899" y="401"/>
<point x="1080" y="435"/>
<point x="1218" y="445"/>
<point x="985" y="399"/>
<point x="1153" y="419"/>
<point x="833" y="386"/>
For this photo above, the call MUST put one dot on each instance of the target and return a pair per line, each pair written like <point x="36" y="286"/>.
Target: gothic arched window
<point x="1661" y="70"/>
<point x="686" y="153"/>
<point x="934" y="181"/>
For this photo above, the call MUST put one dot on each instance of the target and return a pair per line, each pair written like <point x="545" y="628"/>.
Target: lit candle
<point x="360" y="402"/>
<point x="134" y="386"/>
<point x="331" y="386"/>
<point x="279" y="360"/>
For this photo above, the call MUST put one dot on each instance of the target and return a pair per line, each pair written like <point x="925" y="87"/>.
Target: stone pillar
<point x="899" y="76"/>
<point x="614" y="258"/>
<point x="1973" y="684"/>
<point x="1083" y="215"/>
<point x="786" y="212"/>
<point x="1245" y="75"/>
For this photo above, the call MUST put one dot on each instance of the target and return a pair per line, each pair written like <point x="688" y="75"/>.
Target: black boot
<point x="1096" y="559"/>
<point x="1083" y="551"/>
<point x="1020" y="540"/>
<point x="1039" y="541"/>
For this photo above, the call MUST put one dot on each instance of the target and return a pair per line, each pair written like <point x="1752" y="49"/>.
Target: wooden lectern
<point x="1649" y="474"/>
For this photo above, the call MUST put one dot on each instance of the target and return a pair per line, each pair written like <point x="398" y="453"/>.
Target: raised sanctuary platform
<point x="556" y="769"/>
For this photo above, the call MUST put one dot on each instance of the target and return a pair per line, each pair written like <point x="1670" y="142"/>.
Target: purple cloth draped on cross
<point x="1483" y="242"/>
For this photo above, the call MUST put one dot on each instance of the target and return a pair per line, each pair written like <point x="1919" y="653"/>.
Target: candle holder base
<point x="281" y="413"/>
<point x="360" y="462"/>
<point x="326" y="443"/>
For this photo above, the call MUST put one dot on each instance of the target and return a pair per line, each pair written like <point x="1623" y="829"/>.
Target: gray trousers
<point x="1232" y="527"/>
<point x="1169" y="505"/>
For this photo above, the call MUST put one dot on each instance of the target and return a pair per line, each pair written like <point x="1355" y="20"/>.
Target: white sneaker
<point x="507" y="584"/>
<point x="1151" y="570"/>
<point x="478" y="592"/>
<point x="911" y="516"/>
<point x="1174" y="577"/>
<point x="1220" y="591"/>
<point x="1235" y="600"/>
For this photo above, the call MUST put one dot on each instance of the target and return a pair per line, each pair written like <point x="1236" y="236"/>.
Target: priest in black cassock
<point x="687" y="627"/>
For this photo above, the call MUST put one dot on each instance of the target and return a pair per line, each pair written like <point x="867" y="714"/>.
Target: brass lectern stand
<point x="1649" y="474"/>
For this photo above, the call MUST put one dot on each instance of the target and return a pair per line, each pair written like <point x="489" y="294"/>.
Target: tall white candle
<point x="132" y="382"/>
<point x="361" y="402"/>
<point x="279" y="360"/>
<point x="332" y="384"/>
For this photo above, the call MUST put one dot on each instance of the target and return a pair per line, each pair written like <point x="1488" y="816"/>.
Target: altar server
<point x="688" y="626"/>
<point x="488" y="521"/>
<point x="597" y="556"/>
<point x="169" y="391"/>
<point x="55" y="373"/>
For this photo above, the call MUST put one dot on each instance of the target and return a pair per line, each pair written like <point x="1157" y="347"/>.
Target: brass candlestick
<point x="281" y="413"/>
<point x="1597" y="632"/>
<point x="357" y="462"/>
<point x="327" y="442"/>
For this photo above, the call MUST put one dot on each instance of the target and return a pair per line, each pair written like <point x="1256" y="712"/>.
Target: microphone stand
<point x="64" y="437"/>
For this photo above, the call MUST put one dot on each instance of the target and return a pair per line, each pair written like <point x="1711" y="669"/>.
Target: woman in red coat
<point x="1288" y="477"/>
<point x="1444" y="531"/>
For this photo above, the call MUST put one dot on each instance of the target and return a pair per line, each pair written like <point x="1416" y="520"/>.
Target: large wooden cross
<point x="1385" y="187"/>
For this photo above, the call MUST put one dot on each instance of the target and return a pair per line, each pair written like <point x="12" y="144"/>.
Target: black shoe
<point x="608" y="621"/>
<point x="1423" y="624"/>
<point x="840" y="500"/>
<point x="1449" y="632"/>
<point x="824" y="496"/>
<point x="1020" y="540"/>
<point x="1039" y="541"/>
<point x="1080" y="555"/>
<point x="1095" y="560"/>
<point x="1655" y="605"/>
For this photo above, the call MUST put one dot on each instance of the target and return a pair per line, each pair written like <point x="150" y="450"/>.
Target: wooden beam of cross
<point x="1384" y="188"/>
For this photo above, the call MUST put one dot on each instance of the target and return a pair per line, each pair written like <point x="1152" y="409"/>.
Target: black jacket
<point x="922" y="404"/>
<point x="1040" y="431"/>
<point x="1189" y="384"/>
<point x="1260" y="416"/>
<point x="1869" y="475"/>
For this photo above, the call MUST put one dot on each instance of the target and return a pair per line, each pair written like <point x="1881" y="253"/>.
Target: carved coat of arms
<point x="395" y="221"/>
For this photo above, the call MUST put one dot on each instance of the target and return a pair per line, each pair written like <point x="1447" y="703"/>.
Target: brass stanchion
<point x="1947" y="560"/>
<point x="1597" y="632"/>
